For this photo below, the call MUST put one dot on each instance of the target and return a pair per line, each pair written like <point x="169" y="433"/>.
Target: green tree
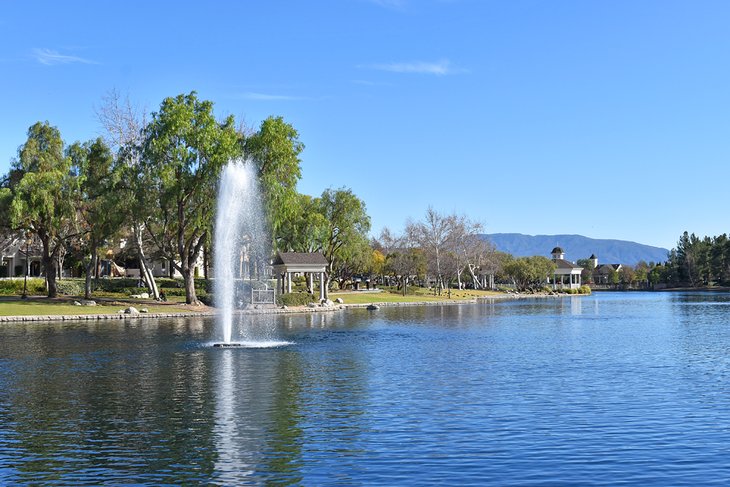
<point x="529" y="272"/>
<point x="627" y="276"/>
<point x="123" y="125"/>
<point x="184" y="149"/>
<point x="6" y="199"/>
<point x="642" y="273"/>
<point x="304" y="228"/>
<point x="657" y="275"/>
<point x="347" y="224"/>
<point x="275" y="150"/>
<point x="44" y="196"/>
<point x="99" y="212"/>
<point x="614" y="277"/>
<point x="586" y="274"/>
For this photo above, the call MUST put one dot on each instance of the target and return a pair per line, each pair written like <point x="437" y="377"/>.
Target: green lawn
<point x="46" y="307"/>
<point x="413" y="296"/>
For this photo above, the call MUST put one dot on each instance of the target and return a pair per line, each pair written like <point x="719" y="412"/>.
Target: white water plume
<point x="240" y="247"/>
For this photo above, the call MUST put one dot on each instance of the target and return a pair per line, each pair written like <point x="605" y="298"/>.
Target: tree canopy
<point x="184" y="149"/>
<point x="43" y="198"/>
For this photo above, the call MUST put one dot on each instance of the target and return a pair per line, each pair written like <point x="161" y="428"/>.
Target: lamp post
<point x="27" y="267"/>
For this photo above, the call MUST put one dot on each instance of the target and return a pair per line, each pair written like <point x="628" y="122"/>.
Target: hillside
<point x="577" y="247"/>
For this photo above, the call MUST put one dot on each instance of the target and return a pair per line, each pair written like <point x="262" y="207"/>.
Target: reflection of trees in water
<point x="119" y="403"/>
<point x="133" y="402"/>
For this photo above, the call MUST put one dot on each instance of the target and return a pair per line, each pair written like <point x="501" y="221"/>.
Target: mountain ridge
<point x="608" y="251"/>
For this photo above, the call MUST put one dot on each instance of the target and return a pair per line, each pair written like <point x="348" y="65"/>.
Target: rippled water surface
<point x="602" y="390"/>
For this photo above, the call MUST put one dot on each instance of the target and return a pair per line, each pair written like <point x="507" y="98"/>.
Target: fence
<point x="263" y="296"/>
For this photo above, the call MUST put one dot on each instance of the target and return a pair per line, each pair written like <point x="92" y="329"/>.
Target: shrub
<point x="9" y="287"/>
<point x="295" y="299"/>
<point x="584" y="289"/>
<point x="70" y="287"/>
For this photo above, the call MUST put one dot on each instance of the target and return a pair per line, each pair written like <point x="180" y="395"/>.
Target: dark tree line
<point x="699" y="262"/>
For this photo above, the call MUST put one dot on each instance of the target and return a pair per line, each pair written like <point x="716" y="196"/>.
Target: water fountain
<point x="240" y="253"/>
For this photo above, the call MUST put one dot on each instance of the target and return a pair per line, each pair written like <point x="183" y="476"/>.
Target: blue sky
<point x="607" y="119"/>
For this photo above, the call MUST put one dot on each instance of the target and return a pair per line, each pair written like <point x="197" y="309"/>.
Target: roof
<point x="593" y="257"/>
<point x="13" y="242"/>
<point x="606" y="268"/>
<point x="564" y="264"/>
<point x="300" y="258"/>
<point x="557" y="250"/>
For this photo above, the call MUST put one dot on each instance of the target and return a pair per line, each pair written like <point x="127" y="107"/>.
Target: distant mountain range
<point x="577" y="247"/>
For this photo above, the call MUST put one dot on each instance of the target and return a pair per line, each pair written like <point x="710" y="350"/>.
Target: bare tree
<point x="434" y="235"/>
<point x="122" y="124"/>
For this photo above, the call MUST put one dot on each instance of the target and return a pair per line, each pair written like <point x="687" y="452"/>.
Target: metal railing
<point x="263" y="296"/>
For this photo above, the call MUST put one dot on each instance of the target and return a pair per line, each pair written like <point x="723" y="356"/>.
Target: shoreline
<point x="272" y="311"/>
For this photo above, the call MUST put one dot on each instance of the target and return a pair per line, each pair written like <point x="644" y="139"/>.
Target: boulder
<point x="76" y="303"/>
<point x="312" y="305"/>
<point x="144" y="295"/>
<point x="339" y="301"/>
<point x="327" y="303"/>
<point x="88" y="302"/>
<point x="373" y="307"/>
<point x="135" y="296"/>
<point x="144" y="310"/>
<point x="131" y="311"/>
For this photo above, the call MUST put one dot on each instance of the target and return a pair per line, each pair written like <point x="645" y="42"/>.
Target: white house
<point x="567" y="275"/>
<point x="13" y="250"/>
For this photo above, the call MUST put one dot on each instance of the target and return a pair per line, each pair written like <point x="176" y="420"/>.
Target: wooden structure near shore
<point x="286" y="264"/>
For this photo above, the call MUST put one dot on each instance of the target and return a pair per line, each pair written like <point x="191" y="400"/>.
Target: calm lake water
<point x="614" y="388"/>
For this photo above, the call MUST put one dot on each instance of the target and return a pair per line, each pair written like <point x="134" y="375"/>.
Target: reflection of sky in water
<point x="610" y="388"/>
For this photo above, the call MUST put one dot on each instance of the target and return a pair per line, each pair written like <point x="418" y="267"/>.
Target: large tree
<point x="184" y="149"/>
<point x="275" y="150"/>
<point x="304" y="228"/>
<point x="434" y="235"/>
<point x="529" y="272"/>
<point x="99" y="211"/>
<point x="347" y="225"/>
<point x="123" y="125"/>
<point x="44" y="196"/>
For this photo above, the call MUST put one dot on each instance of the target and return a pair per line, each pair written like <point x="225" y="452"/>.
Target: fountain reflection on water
<point x="241" y="253"/>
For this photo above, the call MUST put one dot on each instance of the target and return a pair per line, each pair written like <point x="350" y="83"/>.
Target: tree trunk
<point x="144" y="271"/>
<point x="49" y="266"/>
<point x="474" y="278"/>
<point x="189" y="279"/>
<point x="206" y="257"/>
<point x="87" y="278"/>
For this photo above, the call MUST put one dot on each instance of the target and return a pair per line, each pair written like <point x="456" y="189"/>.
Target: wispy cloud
<point x="438" y="68"/>
<point x="49" y="57"/>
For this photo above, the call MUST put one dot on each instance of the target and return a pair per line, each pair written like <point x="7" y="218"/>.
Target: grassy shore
<point x="14" y="306"/>
<point x="108" y="305"/>
<point x="415" y="295"/>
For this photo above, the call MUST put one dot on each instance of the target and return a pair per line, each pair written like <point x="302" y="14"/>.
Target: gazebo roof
<point x="564" y="264"/>
<point x="300" y="258"/>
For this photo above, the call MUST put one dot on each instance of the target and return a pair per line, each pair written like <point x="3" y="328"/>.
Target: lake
<point x="614" y="388"/>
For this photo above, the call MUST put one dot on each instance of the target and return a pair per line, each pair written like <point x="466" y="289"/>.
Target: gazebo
<point x="565" y="271"/>
<point x="287" y="263"/>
